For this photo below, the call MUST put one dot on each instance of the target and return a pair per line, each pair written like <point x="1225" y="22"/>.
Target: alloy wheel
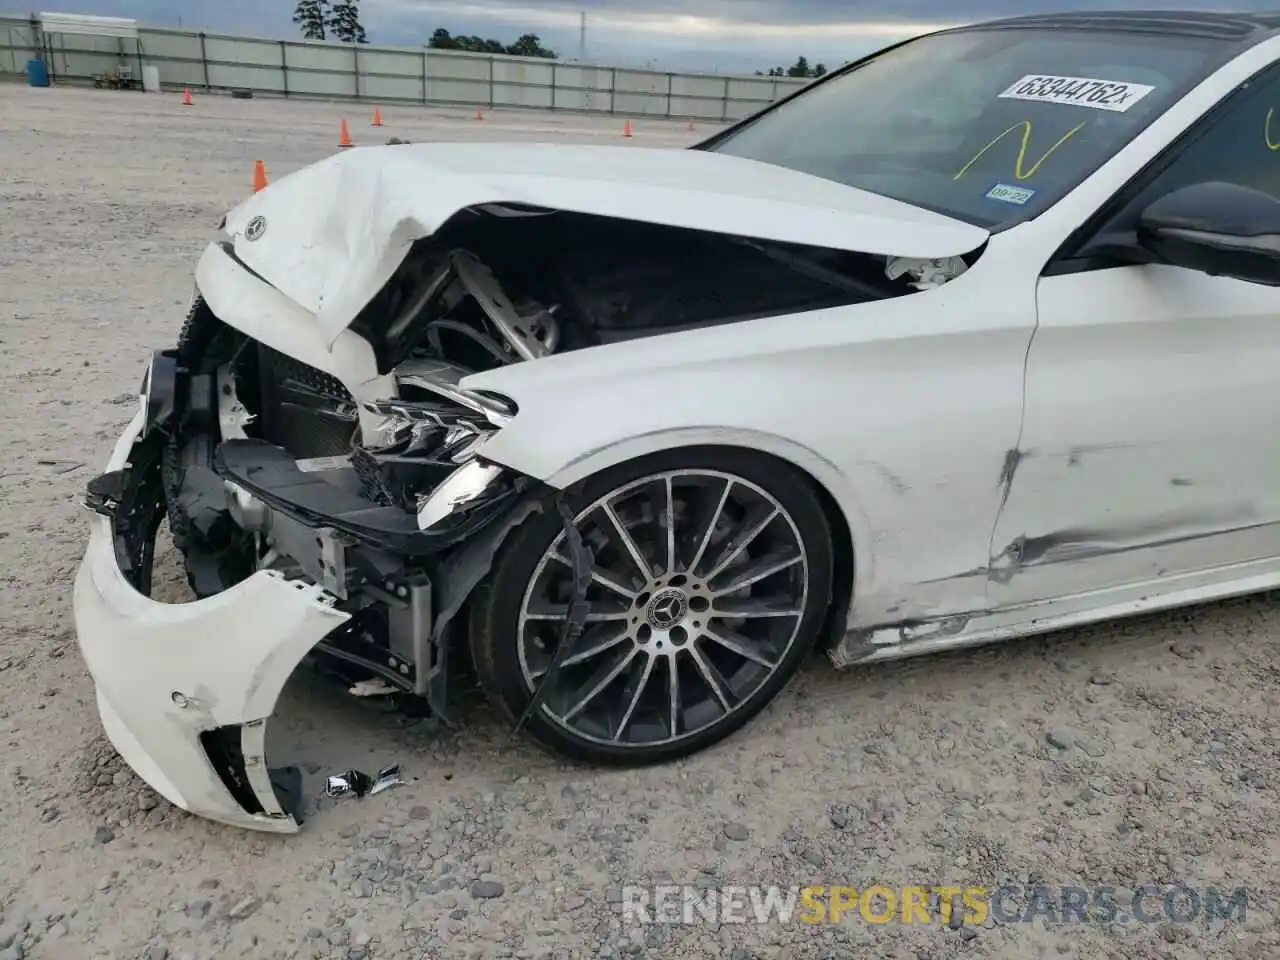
<point x="699" y="587"/>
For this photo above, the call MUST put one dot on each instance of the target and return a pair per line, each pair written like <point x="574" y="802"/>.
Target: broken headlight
<point x="419" y="451"/>
<point x="430" y="429"/>
<point x="421" y="454"/>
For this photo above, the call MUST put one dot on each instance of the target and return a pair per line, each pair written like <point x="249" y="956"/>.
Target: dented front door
<point x="1150" y="446"/>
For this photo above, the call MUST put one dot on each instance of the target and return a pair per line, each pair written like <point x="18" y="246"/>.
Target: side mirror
<point x="1216" y="228"/>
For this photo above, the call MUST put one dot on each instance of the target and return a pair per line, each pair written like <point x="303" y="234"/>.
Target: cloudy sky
<point x="722" y="35"/>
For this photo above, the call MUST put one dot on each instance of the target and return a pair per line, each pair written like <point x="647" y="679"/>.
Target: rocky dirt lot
<point x="1142" y="753"/>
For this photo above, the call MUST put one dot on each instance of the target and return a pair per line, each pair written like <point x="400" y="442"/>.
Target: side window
<point x="1238" y="142"/>
<point x="1241" y="145"/>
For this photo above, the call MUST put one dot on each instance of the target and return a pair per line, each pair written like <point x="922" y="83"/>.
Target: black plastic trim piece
<point x="271" y="474"/>
<point x="160" y="386"/>
<point x="222" y="746"/>
<point x="133" y="499"/>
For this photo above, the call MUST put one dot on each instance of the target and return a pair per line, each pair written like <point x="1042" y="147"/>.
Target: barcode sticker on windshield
<point x="1113" y="95"/>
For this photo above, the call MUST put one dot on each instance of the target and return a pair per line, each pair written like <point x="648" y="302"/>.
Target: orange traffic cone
<point x="344" y="135"/>
<point x="377" y="117"/>
<point x="626" y="129"/>
<point x="479" y="113"/>
<point x="186" y="96"/>
<point x="259" y="175"/>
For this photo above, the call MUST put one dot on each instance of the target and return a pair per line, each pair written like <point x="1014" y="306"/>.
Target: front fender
<point x="522" y="451"/>
<point x="901" y="409"/>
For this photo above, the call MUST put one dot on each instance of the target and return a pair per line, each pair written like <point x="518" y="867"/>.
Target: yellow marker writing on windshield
<point x="1266" y="132"/>
<point x="1018" y="172"/>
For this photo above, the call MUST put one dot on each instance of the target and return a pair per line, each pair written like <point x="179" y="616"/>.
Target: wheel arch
<point x="850" y="530"/>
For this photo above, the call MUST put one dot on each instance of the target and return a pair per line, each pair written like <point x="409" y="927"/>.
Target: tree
<point x="440" y="40"/>
<point x="529" y="45"/>
<point x="313" y="17"/>
<point x="801" y="68"/>
<point x="344" y="22"/>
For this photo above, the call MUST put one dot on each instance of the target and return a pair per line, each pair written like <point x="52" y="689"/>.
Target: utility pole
<point x="582" y="37"/>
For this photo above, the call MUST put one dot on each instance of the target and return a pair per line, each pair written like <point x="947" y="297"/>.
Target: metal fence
<point x="297" y="68"/>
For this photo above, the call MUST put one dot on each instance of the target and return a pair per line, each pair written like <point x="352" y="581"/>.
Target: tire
<point x="751" y="642"/>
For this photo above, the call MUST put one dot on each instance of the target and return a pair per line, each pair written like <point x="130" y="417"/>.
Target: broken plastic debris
<point x="64" y="466"/>
<point x="371" y="688"/>
<point x="387" y="778"/>
<point x="926" y="273"/>
<point x="355" y="783"/>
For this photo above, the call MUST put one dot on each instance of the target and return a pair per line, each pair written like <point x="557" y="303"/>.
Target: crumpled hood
<point x="332" y="234"/>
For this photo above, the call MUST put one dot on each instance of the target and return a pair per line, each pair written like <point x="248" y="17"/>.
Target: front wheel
<point x="712" y="573"/>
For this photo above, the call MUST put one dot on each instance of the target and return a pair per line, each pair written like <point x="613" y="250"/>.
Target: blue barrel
<point x="37" y="73"/>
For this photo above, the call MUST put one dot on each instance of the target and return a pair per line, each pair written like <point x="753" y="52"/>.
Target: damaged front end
<point x="329" y="493"/>
<point x="297" y="536"/>
<point x="272" y="465"/>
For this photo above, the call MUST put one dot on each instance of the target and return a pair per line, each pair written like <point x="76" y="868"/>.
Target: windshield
<point x="987" y="126"/>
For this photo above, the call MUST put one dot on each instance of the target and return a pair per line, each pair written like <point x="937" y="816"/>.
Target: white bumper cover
<point x="165" y="673"/>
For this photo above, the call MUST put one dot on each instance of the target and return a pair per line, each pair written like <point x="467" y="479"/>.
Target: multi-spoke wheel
<point x="711" y="573"/>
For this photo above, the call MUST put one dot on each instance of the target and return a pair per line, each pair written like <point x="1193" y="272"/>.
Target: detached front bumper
<point x="184" y="690"/>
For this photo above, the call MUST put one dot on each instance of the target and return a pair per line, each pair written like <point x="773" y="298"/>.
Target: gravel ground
<point x="1137" y="753"/>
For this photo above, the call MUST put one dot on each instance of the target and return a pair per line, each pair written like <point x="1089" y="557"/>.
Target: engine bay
<point x="502" y="285"/>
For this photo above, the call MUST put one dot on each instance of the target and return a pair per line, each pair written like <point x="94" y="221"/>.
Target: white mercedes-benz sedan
<point x="972" y="339"/>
